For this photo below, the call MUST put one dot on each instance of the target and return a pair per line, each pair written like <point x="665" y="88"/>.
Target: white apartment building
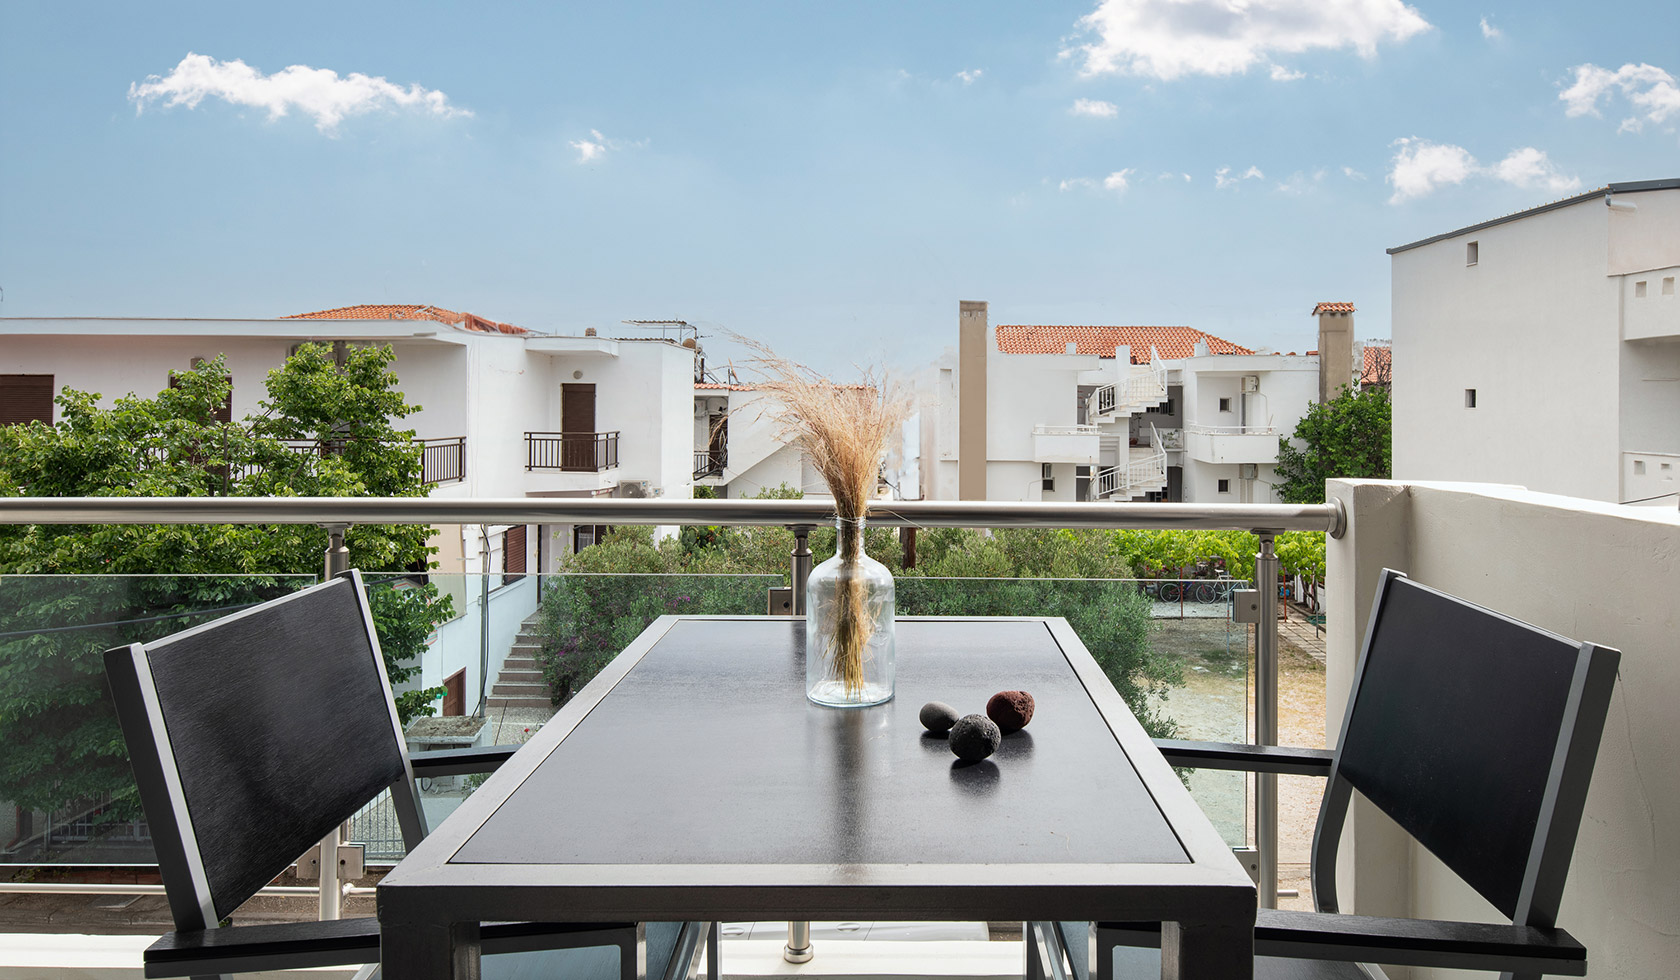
<point x="1069" y="413"/>
<point x="1553" y="341"/>
<point x="739" y="447"/>
<point x="504" y="412"/>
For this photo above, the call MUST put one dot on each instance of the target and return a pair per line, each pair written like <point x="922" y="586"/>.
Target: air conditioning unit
<point x="633" y="488"/>
<point x="1251" y="383"/>
<point x="1248" y="471"/>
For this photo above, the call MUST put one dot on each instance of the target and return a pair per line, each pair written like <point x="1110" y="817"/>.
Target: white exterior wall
<point x="937" y="464"/>
<point x="1590" y="571"/>
<point x="1536" y="327"/>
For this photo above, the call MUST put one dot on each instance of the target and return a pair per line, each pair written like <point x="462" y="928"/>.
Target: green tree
<point x="1347" y="436"/>
<point x="61" y="744"/>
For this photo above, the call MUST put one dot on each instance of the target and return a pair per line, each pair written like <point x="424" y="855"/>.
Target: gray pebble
<point x="938" y="717"/>
<point x="974" y="737"/>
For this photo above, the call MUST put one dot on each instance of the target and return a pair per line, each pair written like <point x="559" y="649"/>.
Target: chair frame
<point x="199" y="947"/>
<point x="1530" y="946"/>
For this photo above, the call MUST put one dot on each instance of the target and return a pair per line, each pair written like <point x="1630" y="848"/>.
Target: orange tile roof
<point x="1170" y="342"/>
<point x="408" y="311"/>
<point x="719" y="386"/>
<point x="1333" y="308"/>
<point x="1378" y="367"/>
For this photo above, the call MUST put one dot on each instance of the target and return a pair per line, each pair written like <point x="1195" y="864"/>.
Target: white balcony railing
<point x="1232" y="443"/>
<point x="1079" y="444"/>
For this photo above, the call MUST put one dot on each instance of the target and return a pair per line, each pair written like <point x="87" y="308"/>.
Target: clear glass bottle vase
<point x="849" y="605"/>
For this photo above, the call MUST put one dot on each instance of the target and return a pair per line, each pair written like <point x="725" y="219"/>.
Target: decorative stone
<point x="974" y="737"/>
<point x="938" y="717"/>
<point x="1012" y="710"/>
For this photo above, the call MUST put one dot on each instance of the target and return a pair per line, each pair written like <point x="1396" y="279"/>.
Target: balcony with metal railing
<point x="571" y="452"/>
<point x="1231" y="443"/>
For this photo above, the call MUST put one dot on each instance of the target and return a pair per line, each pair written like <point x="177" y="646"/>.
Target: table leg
<point x="1204" y="951"/>
<point x="428" y="950"/>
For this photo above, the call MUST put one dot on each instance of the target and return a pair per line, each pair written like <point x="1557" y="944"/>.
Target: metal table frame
<point x="429" y="909"/>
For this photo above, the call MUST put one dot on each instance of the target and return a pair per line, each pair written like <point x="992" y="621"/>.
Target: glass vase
<point x="849" y="604"/>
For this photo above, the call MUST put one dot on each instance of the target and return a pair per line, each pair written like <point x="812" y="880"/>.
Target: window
<point x="1638" y="467"/>
<point x="1668" y="285"/>
<point x="1224" y="404"/>
<point x="1469" y="398"/>
<point x="1639" y="289"/>
<point x="1224" y="486"/>
<point x="26" y="398"/>
<point x="1166" y="408"/>
<point x="513" y="552"/>
<point x="1472" y="253"/>
<point x="1047" y="474"/>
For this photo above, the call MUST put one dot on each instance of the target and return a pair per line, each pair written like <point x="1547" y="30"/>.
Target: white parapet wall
<point x="1591" y="571"/>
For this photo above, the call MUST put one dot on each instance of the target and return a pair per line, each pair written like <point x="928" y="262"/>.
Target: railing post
<point x="337" y="562"/>
<point x="801" y="564"/>
<point x="1266" y="717"/>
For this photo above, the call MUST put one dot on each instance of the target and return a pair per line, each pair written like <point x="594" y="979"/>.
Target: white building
<point x="1552" y="338"/>
<point x="1108" y="413"/>
<point x="504" y="412"/>
<point x="739" y="447"/>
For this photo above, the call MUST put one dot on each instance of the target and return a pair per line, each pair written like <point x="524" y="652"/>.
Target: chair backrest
<point x="1477" y="734"/>
<point x="252" y="736"/>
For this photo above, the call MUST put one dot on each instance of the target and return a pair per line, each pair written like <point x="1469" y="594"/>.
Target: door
<point x="577" y="427"/>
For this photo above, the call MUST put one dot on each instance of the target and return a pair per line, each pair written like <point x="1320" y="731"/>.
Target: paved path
<point x="1298" y="631"/>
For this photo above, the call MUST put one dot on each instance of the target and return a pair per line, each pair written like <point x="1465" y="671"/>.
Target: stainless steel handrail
<point x="572" y="510"/>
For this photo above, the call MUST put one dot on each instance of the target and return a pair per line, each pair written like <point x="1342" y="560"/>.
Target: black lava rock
<point x="974" y="737"/>
<point x="1012" y="710"/>
<point x="938" y="717"/>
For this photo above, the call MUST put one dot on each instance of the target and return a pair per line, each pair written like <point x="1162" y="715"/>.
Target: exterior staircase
<point x="520" y="683"/>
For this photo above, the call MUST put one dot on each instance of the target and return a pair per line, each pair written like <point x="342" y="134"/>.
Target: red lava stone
<point x="1011" y="710"/>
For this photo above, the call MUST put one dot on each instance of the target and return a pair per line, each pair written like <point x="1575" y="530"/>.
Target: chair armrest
<point x="283" y="946"/>
<point x="1393" y="942"/>
<point x="1248" y="758"/>
<point x="1419" y="942"/>
<point x="460" y="762"/>
<point x="347" y="942"/>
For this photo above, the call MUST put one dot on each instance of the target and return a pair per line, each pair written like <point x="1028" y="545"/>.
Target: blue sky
<point x="828" y="178"/>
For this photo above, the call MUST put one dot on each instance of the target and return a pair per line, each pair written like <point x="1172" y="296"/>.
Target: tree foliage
<point x="110" y="584"/>
<point x="1347" y="436"/>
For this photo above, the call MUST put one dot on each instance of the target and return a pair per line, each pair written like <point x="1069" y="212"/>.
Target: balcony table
<point x="691" y="780"/>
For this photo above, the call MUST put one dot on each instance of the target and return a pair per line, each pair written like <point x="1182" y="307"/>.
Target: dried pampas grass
<point x="846" y="431"/>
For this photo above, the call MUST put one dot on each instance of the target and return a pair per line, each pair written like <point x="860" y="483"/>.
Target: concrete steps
<point x="520" y="683"/>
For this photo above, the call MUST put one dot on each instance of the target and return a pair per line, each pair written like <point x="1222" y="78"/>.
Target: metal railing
<point x="1124" y="479"/>
<point x="443" y="460"/>
<point x="576" y="452"/>
<point x="338" y="513"/>
<point x="710" y="462"/>
<point x="1231" y="430"/>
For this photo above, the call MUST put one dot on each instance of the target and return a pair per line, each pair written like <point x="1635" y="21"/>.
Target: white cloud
<point x="1352" y="174"/>
<point x="1300" y="182"/>
<point x="1489" y="31"/>
<point x="1118" y="180"/>
<point x="1529" y="167"/>
<point x="595" y="146"/>
<point x="1076" y="183"/>
<point x="1421" y="166"/>
<point x="317" y="92"/>
<point x="1094" y="107"/>
<point x="1223" y="178"/>
<point x="1282" y="74"/>
<point x="1650" y="89"/>
<point x="971" y="76"/>
<point x="1167" y="39"/>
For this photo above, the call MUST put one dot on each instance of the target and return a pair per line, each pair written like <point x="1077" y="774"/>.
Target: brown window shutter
<point x="513" y="551"/>
<point x="26" y="398"/>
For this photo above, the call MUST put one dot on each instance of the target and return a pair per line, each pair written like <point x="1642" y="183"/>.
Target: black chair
<point x="252" y="736"/>
<point x="1476" y="734"/>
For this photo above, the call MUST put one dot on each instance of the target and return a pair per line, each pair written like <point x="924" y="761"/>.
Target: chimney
<point x="589" y="331"/>
<point x="1335" y="348"/>
<point x="973" y="339"/>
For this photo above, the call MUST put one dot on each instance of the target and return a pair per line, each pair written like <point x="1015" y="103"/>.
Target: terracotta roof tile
<point x="1170" y="342"/>
<point x="407" y="311"/>
<point x="1333" y="308"/>
<point x="718" y="386"/>
<point x="1379" y="365"/>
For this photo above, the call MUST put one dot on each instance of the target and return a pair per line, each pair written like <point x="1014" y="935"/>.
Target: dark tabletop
<point x="707" y="752"/>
